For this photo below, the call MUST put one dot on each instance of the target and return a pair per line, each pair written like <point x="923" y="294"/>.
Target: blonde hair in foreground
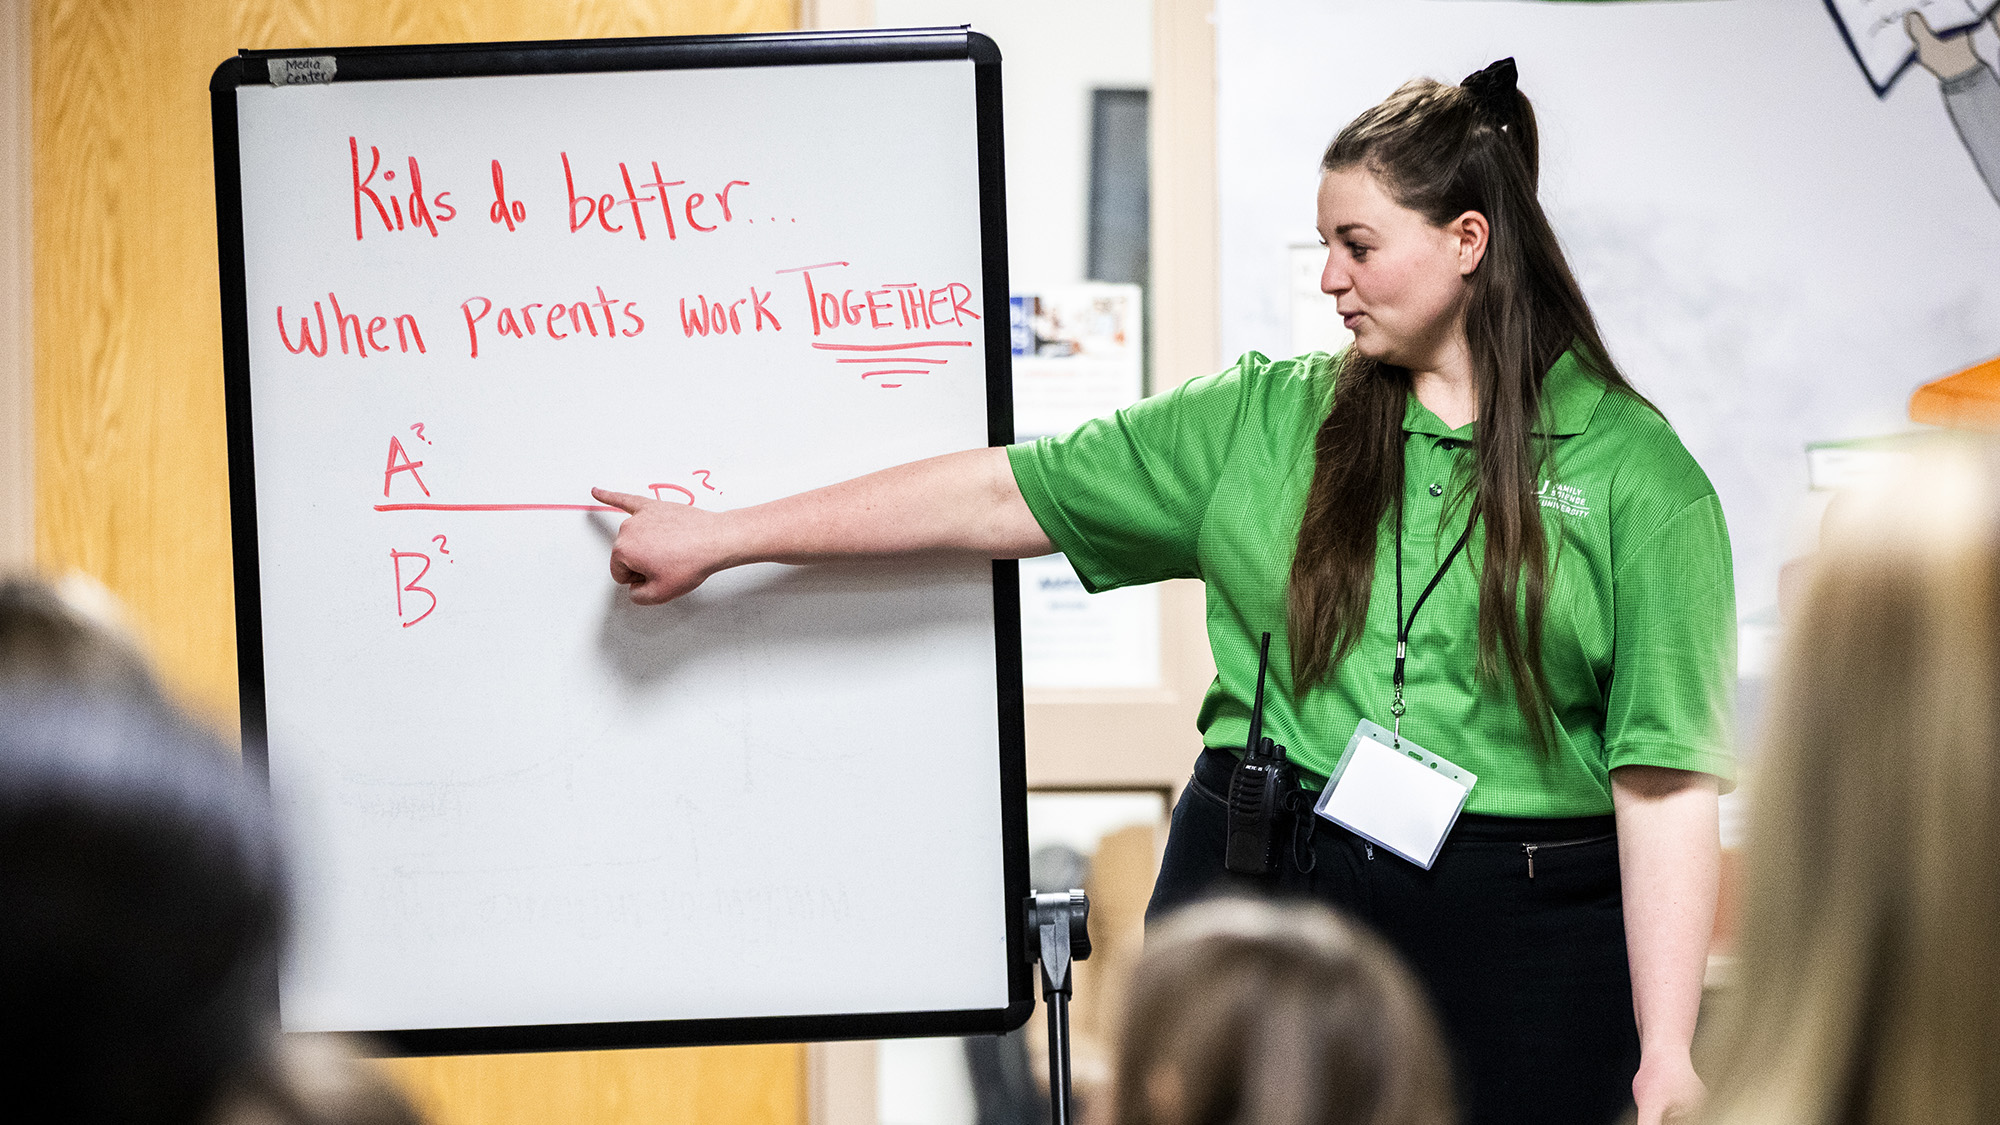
<point x="1869" y="967"/>
<point x="1245" y="1011"/>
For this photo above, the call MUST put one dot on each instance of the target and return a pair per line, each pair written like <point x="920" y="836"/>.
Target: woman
<point x="1242" y="1010"/>
<point x="1868" y="973"/>
<point x="1579" y="668"/>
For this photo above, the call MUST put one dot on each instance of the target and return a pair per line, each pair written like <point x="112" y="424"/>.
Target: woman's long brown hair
<point x="1442" y="151"/>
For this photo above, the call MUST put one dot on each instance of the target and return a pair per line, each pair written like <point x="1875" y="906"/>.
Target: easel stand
<point x="1061" y="920"/>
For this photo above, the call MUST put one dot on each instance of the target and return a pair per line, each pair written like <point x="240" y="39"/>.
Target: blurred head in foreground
<point x="1869" y="958"/>
<point x="1253" y="1012"/>
<point x="139" y="910"/>
<point x="141" y="901"/>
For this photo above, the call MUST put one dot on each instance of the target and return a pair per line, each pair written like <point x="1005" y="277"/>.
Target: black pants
<point x="1528" y="975"/>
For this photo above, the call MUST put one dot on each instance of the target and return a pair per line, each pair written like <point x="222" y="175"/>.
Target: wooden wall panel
<point x="130" y="472"/>
<point x="17" y="408"/>
<point x="710" y="1086"/>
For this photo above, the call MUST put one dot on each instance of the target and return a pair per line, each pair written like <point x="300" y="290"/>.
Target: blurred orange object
<point x="1969" y="400"/>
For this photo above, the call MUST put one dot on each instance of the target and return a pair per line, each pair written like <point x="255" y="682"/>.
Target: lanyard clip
<point x="1396" y="705"/>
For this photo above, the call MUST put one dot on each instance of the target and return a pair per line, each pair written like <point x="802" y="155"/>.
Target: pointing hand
<point x="664" y="550"/>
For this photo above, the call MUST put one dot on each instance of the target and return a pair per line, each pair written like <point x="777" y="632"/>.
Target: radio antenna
<point x="1257" y="710"/>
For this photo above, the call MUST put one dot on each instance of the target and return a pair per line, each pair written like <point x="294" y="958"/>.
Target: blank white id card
<point x="1395" y="794"/>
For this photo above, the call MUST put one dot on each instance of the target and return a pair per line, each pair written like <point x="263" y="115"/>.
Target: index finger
<point x="625" y="500"/>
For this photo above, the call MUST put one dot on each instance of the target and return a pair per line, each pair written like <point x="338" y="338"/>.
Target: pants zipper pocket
<point x="1531" y="849"/>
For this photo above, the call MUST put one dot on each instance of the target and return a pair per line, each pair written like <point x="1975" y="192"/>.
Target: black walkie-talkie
<point x="1257" y="790"/>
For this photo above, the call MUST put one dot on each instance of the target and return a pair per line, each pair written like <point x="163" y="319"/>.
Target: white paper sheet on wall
<point x="1072" y="639"/>
<point x="1079" y="355"/>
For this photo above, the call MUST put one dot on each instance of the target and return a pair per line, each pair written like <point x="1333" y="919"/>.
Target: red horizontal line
<point x="899" y="359"/>
<point x="496" y="508"/>
<point x="893" y="347"/>
<point x="896" y="371"/>
<point x="821" y="266"/>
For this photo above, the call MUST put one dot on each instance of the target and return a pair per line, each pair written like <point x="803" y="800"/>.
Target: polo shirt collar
<point x="1570" y="395"/>
<point x="1418" y="419"/>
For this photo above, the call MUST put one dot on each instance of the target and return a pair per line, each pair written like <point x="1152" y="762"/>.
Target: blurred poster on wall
<point x="1070" y="639"/>
<point x="1078" y="356"/>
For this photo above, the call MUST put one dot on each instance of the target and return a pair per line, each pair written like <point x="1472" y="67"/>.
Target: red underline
<point x="496" y="508"/>
<point x="900" y="358"/>
<point x="897" y="371"/>
<point x="893" y="347"/>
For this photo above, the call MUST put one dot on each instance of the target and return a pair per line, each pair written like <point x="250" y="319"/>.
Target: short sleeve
<point x="1673" y="663"/>
<point x="1124" y="496"/>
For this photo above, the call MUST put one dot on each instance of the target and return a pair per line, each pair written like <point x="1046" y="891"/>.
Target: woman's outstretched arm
<point x="961" y="501"/>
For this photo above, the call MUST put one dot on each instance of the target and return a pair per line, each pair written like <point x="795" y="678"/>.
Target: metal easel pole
<point x="1058" y="925"/>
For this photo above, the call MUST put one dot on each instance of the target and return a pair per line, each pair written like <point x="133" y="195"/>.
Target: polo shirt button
<point x="1437" y="490"/>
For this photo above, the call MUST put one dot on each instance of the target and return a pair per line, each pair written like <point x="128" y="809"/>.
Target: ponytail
<point x="1492" y="89"/>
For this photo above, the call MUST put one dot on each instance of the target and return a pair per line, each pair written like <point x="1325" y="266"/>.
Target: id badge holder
<point x="1395" y="794"/>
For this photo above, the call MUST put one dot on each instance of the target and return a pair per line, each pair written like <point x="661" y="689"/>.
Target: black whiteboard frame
<point x="363" y="64"/>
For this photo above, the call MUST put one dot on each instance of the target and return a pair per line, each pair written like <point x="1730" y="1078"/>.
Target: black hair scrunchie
<point x="1493" y="87"/>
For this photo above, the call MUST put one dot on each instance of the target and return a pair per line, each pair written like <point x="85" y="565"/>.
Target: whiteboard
<point x="460" y="287"/>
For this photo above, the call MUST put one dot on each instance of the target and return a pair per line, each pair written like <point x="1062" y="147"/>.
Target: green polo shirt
<point x="1639" y="641"/>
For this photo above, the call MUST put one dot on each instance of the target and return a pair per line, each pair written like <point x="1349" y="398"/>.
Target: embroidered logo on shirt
<point x="1564" y="498"/>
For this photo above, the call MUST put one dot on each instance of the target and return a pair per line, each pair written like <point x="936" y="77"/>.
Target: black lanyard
<point x="1403" y="625"/>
